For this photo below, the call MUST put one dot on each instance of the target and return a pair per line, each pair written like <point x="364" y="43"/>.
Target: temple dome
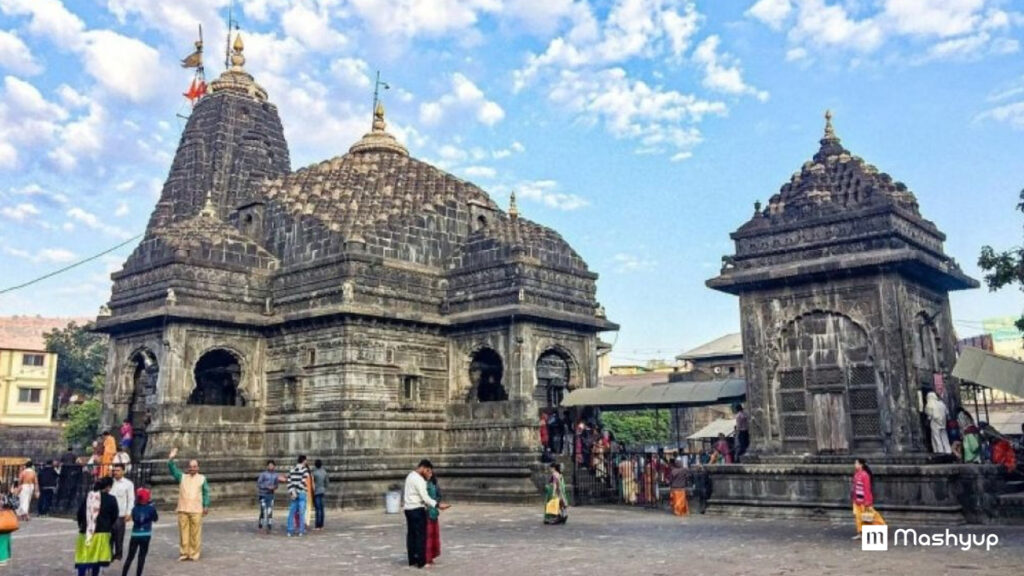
<point x="835" y="180"/>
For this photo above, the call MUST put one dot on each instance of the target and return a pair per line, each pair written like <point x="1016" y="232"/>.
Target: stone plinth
<point x="907" y="491"/>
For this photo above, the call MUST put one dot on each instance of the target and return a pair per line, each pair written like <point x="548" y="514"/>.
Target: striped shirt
<point x="297" y="477"/>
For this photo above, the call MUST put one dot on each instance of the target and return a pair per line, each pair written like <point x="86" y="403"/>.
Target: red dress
<point x="433" y="540"/>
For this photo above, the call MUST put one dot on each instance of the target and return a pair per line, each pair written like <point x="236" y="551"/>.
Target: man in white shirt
<point x="124" y="491"/>
<point x="416" y="502"/>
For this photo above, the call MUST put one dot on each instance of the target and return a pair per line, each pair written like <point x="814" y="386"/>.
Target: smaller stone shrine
<point x="846" y="325"/>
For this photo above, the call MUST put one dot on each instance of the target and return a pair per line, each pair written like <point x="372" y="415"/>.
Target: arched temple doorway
<point x="827" y="386"/>
<point x="217" y="377"/>
<point x="553" y="374"/>
<point x="145" y="372"/>
<point x="485" y="374"/>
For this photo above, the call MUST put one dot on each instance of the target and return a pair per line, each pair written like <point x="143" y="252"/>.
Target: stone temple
<point x="844" y="307"/>
<point x="369" y="310"/>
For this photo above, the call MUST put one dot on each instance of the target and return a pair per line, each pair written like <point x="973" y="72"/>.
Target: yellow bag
<point x="553" y="508"/>
<point x="868" y="516"/>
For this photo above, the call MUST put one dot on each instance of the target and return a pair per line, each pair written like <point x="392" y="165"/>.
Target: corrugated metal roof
<point x="990" y="370"/>
<point x="660" y="394"/>
<point x="721" y="426"/>
<point x="728" y="345"/>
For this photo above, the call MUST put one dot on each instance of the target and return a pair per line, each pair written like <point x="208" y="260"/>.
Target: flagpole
<point x="227" y="42"/>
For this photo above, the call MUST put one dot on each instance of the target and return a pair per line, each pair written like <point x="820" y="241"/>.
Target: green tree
<point x="84" y="419"/>
<point x="1004" y="268"/>
<point x="81" y="355"/>
<point x="640" y="427"/>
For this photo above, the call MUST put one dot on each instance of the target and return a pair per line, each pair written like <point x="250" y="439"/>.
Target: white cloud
<point x="312" y="28"/>
<point x="1011" y="114"/>
<point x="771" y="12"/>
<point x="465" y="98"/>
<point x="19" y="212"/>
<point x="91" y="221"/>
<point x="479" y="172"/>
<point x="547" y="192"/>
<point x="49" y="19"/>
<point x="124" y="66"/>
<point x="659" y="120"/>
<point x="16" y="56"/>
<point x="515" y="148"/>
<point x="402" y="20"/>
<point x="43" y="255"/>
<point x="82" y="137"/>
<point x="933" y="29"/>
<point x="625" y="263"/>
<point x="122" y="209"/>
<point x="39" y="194"/>
<point x="719" y="74"/>
<point x="631" y="29"/>
<point x="352" y="71"/>
<point x="27" y="120"/>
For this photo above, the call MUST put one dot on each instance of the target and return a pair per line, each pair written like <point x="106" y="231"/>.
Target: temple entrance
<point x="485" y="373"/>
<point x="217" y="376"/>
<point x="145" y="373"/>
<point x="552" y="380"/>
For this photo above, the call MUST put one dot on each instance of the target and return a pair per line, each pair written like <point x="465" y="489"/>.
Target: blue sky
<point x="642" y="130"/>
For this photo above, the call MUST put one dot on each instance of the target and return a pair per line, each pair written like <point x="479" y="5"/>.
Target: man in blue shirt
<point x="267" y="485"/>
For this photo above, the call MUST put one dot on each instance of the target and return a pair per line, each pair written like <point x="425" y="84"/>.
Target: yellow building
<point x="27" y="383"/>
<point x="27" y="371"/>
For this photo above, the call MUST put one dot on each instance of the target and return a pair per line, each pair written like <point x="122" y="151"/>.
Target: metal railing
<point x="73" y="483"/>
<point x="632" y="478"/>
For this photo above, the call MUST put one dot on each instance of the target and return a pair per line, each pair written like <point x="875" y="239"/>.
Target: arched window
<point x="485" y="373"/>
<point x="552" y="379"/>
<point x="217" y="377"/>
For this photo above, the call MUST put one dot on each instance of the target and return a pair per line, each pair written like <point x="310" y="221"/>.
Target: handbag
<point x="8" y="521"/>
<point x="553" y="507"/>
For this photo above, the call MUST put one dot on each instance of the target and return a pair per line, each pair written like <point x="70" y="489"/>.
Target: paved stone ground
<point x="490" y="540"/>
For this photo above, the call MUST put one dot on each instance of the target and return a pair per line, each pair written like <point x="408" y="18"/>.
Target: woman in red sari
<point x="433" y="526"/>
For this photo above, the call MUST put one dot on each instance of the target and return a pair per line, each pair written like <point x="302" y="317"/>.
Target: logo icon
<point x="874" y="538"/>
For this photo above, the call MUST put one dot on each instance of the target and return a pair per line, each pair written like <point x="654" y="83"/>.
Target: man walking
<point x="298" y="476"/>
<point x="266" y="484"/>
<point x="48" y="478"/>
<point x="416" y="502"/>
<point x="28" y="487"/>
<point x="193" y="504"/>
<point x="320" y="482"/>
<point x="124" y="492"/>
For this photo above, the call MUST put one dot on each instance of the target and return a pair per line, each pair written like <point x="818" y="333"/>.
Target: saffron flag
<point x="196" y="90"/>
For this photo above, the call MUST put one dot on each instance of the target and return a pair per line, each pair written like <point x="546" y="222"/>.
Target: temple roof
<point x="833" y="181"/>
<point x="203" y="236"/>
<point x="378" y="194"/>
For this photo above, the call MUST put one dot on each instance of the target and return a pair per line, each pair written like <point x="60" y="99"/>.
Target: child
<point x="143" y="516"/>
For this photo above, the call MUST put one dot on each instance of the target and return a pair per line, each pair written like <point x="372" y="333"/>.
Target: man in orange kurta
<point x="109" y="449"/>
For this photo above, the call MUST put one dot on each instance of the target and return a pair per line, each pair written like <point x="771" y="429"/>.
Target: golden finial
<point x="829" y="133"/>
<point x="378" y="117"/>
<point x="513" y="210"/>
<point x="237" y="59"/>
